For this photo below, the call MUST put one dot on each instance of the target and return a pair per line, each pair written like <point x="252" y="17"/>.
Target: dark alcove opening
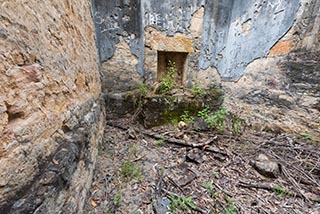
<point x="179" y="58"/>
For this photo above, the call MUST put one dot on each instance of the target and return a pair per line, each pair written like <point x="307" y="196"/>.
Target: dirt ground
<point x="171" y="170"/>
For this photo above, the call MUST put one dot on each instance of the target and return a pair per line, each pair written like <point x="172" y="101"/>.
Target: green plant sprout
<point x="280" y="191"/>
<point x="181" y="203"/>
<point x="117" y="199"/>
<point x="209" y="187"/>
<point x="231" y="208"/>
<point x="197" y="90"/>
<point x="167" y="82"/>
<point x="186" y="117"/>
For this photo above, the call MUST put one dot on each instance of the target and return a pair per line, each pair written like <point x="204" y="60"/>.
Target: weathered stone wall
<point x="227" y="35"/>
<point x="281" y="92"/>
<point x="267" y="48"/>
<point x="50" y="115"/>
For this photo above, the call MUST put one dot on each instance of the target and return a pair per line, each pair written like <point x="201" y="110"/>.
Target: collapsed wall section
<point x="51" y="119"/>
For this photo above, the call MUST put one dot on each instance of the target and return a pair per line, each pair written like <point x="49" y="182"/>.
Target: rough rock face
<point x="50" y="115"/>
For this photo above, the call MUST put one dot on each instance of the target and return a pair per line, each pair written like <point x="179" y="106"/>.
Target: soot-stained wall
<point x="235" y="32"/>
<point x="170" y="16"/>
<point x="114" y="18"/>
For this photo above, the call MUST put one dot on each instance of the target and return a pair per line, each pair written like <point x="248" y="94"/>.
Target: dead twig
<point x="170" y="140"/>
<point x="272" y="188"/>
<point x="222" y="190"/>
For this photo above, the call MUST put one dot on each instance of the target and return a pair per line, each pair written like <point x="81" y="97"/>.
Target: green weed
<point x="209" y="187"/>
<point x="197" y="90"/>
<point x="117" y="199"/>
<point x="214" y="173"/>
<point x="230" y="209"/>
<point x="100" y="148"/>
<point x="159" y="143"/>
<point x="310" y="136"/>
<point x="143" y="89"/>
<point x="236" y="125"/>
<point x="167" y="82"/>
<point x="204" y="113"/>
<point x="181" y="203"/>
<point x="307" y="136"/>
<point x="217" y="120"/>
<point x="280" y="191"/>
<point x="186" y="117"/>
<point x="133" y="150"/>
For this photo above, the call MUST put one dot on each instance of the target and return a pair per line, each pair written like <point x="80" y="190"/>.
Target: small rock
<point x="186" y="138"/>
<point x="132" y="134"/>
<point x="182" y="125"/>
<point x="195" y="155"/>
<point x="200" y="124"/>
<point x="179" y="134"/>
<point x="181" y="174"/>
<point x="162" y="206"/>
<point x="266" y="167"/>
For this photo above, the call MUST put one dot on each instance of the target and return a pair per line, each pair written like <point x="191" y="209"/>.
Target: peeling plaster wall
<point x="281" y="92"/>
<point x="118" y="18"/>
<point x="252" y="45"/>
<point x="241" y="31"/>
<point x="170" y="16"/>
<point x="234" y="32"/>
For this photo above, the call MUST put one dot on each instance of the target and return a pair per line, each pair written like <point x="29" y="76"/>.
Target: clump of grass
<point x="117" y="198"/>
<point x="130" y="170"/>
<point x="280" y="191"/>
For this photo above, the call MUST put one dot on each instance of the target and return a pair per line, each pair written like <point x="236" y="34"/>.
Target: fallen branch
<point x="182" y="142"/>
<point x="170" y="140"/>
<point x="272" y="188"/>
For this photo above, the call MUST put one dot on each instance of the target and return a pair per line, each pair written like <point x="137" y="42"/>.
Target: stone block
<point x="171" y="44"/>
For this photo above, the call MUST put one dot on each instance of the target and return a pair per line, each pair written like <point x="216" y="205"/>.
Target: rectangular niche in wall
<point x="179" y="58"/>
<point x="175" y="49"/>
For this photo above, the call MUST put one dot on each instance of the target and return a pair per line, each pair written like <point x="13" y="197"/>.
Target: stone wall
<point x="281" y="92"/>
<point x="263" y="53"/>
<point x="227" y="35"/>
<point x="51" y="119"/>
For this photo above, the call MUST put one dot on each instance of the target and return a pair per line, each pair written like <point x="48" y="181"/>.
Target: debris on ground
<point x="158" y="171"/>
